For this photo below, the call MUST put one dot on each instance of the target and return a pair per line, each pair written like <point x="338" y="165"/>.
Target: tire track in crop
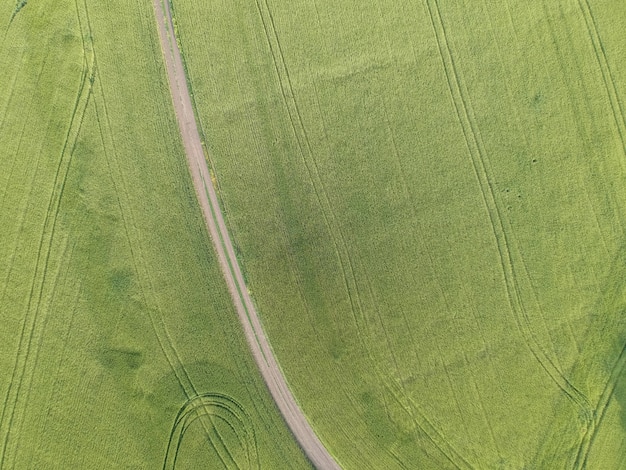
<point x="61" y="361"/>
<point x="31" y="186"/>
<point x="605" y="69"/>
<point x="395" y="390"/>
<point x="589" y="414"/>
<point x="577" y="111"/>
<point x="342" y="253"/>
<point x="122" y="198"/>
<point x="408" y="194"/>
<point x="124" y="205"/>
<point x="33" y="321"/>
<point x="214" y="438"/>
<point x="591" y="432"/>
<point x="29" y="164"/>
<point x="215" y="406"/>
<point x="591" y="428"/>
<point x="305" y="150"/>
<point x="613" y="293"/>
<point x="397" y="393"/>
<point x="12" y="87"/>
<point x="618" y="214"/>
<point x="31" y="318"/>
<point x="35" y="318"/>
<point x="481" y="170"/>
<point x="214" y="220"/>
<point x="527" y="144"/>
<point x="619" y="119"/>
<point x="481" y="403"/>
<point x="510" y="17"/>
<point x="296" y="276"/>
<point x="154" y="312"/>
<point x="38" y="337"/>
<point x="302" y="141"/>
<point x="373" y="363"/>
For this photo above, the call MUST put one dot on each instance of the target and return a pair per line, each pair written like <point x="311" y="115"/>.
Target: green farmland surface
<point x="429" y="202"/>
<point x="119" y="347"/>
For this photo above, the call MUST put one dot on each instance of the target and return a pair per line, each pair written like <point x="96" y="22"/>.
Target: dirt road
<point x="214" y="219"/>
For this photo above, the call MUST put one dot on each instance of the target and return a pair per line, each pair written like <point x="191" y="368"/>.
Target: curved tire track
<point x="207" y="198"/>
<point x="214" y="406"/>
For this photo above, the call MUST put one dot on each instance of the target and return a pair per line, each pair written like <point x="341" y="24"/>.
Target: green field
<point x="428" y="200"/>
<point x="119" y="347"/>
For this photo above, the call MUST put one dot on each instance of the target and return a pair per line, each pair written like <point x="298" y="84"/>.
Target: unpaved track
<point x="214" y="219"/>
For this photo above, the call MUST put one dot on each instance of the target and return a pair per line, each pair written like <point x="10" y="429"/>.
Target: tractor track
<point x="214" y="219"/>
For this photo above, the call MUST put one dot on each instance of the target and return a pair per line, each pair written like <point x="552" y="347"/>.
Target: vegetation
<point x="117" y="324"/>
<point x="428" y="199"/>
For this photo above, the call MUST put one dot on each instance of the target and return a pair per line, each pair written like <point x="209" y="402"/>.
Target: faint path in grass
<point x="43" y="281"/>
<point x="215" y="408"/>
<point x="500" y="227"/>
<point x="207" y="198"/>
<point x="346" y="260"/>
<point x="620" y="124"/>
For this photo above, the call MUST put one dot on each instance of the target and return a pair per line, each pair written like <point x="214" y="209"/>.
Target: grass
<point x="116" y="320"/>
<point x="428" y="200"/>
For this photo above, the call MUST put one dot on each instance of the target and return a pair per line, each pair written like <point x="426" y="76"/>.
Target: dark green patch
<point x="337" y="347"/>
<point x="121" y="360"/>
<point x="537" y="101"/>
<point x="18" y="8"/>
<point x="377" y="420"/>
<point x="121" y="280"/>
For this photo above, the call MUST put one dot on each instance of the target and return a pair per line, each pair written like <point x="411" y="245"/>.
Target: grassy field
<point x="428" y="199"/>
<point x="119" y="345"/>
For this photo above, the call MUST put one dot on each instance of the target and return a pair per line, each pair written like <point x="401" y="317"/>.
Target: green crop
<point x="119" y="344"/>
<point x="428" y="200"/>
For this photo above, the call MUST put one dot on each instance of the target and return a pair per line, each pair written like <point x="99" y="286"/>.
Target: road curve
<point x="229" y="265"/>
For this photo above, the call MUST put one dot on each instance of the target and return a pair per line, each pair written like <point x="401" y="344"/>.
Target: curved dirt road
<point x="207" y="198"/>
